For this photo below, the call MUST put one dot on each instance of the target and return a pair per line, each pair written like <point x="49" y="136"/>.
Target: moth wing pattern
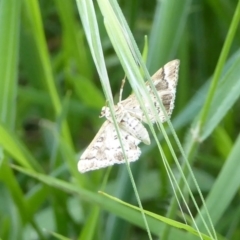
<point x="165" y="82"/>
<point x="134" y="127"/>
<point x="105" y="149"/>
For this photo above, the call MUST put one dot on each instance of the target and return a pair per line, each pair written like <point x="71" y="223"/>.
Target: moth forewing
<point x="88" y="158"/>
<point x="165" y="83"/>
<point x="105" y="149"/>
<point x="162" y="91"/>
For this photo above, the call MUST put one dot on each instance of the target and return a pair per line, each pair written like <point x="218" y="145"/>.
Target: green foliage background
<point x="50" y="99"/>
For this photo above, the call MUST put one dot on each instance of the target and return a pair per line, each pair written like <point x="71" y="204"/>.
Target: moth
<point x="105" y="149"/>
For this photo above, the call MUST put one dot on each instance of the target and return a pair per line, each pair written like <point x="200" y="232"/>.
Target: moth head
<point x="105" y="112"/>
<point x="118" y="112"/>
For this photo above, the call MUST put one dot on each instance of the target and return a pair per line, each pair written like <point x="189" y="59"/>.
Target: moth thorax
<point x="119" y="108"/>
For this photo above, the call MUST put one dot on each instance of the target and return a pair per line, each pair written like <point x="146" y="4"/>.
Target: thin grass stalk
<point x="121" y="46"/>
<point x="193" y="142"/>
<point x="125" y="212"/>
<point x="33" y="11"/>
<point x="132" y="44"/>
<point x="218" y="70"/>
<point x="90" y="25"/>
<point x="119" y="53"/>
<point x="123" y="64"/>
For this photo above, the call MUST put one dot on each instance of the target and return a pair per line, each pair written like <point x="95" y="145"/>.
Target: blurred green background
<point x="51" y="97"/>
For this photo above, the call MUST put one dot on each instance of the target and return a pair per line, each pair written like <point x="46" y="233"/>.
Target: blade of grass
<point x="9" y="47"/>
<point x="223" y="181"/>
<point x="168" y="25"/>
<point x="122" y="47"/>
<point x="89" y="231"/>
<point x="168" y="221"/>
<point x="73" y="39"/>
<point x="192" y="143"/>
<point x="122" y="211"/>
<point x="90" y="25"/>
<point x="117" y="37"/>
<point x="226" y="95"/>
<point x="10" y="143"/>
<point x="9" y="22"/>
<point x="126" y="60"/>
<point x="218" y="71"/>
<point x="193" y="107"/>
<point x="35" y="24"/>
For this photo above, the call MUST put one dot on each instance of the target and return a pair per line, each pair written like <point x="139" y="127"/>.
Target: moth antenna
<point x="121" y="89"/>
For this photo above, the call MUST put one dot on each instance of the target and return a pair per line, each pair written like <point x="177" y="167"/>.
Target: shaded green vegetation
<point x="51" y="97"/>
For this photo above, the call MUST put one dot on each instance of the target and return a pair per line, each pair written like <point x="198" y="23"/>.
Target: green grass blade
<point x="120" y="210"/>
<point x="225" y="97"/>
<point x="161" y="218"/>
<point x="226" y="183"/>
<point x="9" y="48"/>
<point x="168" y="25"/>
<point x="34" y="22"/>
<point x="222" y="59"/>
